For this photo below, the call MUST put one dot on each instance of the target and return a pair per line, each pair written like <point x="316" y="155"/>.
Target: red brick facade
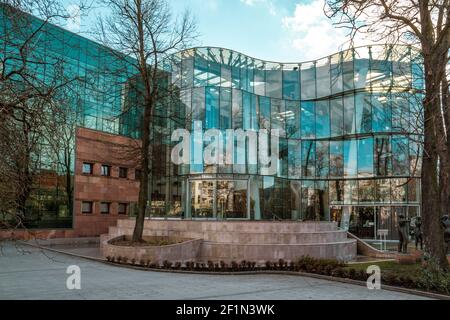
<point x="98" y="148"/>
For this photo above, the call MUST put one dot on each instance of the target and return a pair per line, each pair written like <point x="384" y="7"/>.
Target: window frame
<point x="91" y="207"/>
<point x="91" y="165"/>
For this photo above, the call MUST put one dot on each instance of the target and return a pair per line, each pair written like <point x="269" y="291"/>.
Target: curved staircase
<point x="258" y="241"/>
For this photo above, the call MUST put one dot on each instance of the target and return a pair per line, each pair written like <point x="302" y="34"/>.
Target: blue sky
<point x="278" y="30"/>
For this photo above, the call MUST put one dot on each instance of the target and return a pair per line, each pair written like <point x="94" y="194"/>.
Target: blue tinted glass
<point x="322" y="119"/>
<point x="247" y="101"/>
<point x="349" y="115"/>
<point x="225" y="108"/>
<point x="273" y="83"/>
<point x="363" y="113"/>
<point x="264" y="112"/>
<point x="254" y="112"/>
<point x="381" y="113"/>
<point x="350" y="158"/>
<point x="236" y="109"/>
<point x="308" y="158"/>
<point x="365" y="157"/>
<point x="292" y="119"/>
<point x="382" y="156"/>
<point x="322" y="158"/>
<point x="308" y="119"/>
<point x="295" y="163"/>
<point x="212" y="108"/>
<point x="308" y="81"/>
<point x="400" y="151"/>
<point x="200" y="71"/>
<point x="291" y="84"/>
<point x="336" y="158"/>
<point x="283" y="163"/>
<point x="278" y="114"/>
<point x="336" y="117"/>
<point x="361" y="70"/>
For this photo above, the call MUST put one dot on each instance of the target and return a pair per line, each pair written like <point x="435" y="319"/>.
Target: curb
<point x="230" y="273"/>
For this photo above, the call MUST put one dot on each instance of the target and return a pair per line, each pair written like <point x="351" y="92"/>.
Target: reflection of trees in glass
<point x="382" y="156"/>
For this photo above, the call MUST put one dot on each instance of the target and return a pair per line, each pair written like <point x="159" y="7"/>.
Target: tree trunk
<point x="143" y="185"/>
<point x="431" y="196"/>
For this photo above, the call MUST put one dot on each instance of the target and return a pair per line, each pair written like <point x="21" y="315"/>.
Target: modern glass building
<point x="349" y="142"/>
<point x="350" y="130"/>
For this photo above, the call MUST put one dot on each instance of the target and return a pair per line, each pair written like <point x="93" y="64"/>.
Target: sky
<point x="274" y="30"/>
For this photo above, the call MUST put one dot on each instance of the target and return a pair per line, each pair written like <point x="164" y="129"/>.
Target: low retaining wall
<point x="188" y="250"/>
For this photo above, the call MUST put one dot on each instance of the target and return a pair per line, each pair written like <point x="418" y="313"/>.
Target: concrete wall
<point x="258" y="241"/>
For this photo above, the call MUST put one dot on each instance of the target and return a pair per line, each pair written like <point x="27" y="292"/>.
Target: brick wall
<point x="98" y="148"/>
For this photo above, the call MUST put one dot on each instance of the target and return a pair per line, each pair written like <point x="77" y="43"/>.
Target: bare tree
<point x="145" y="33"/>
<point x="31" y="80"/>
<point x="427" y="24"/>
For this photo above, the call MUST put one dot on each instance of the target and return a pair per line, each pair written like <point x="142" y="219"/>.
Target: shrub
<point x="133" y="261"/>
<point x="352" y="273"/>
<point x="361" y="275"/>
<point x="433" y="278"/>
<point x="234" y="266"/>
<point x="189" y="265"/>
<point x="142" y="262"/>
<point x="223" y="265"/>
<point x="268" y="265"/>
<point x="178" y="265"/>
<point x="108" y="258"/>
<point x="119" y="259"/>
<point x="292" y="265"/>
<point x="124" y="259"/>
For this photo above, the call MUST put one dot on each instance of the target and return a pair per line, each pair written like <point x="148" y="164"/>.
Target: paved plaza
<point x="31" y="273"/>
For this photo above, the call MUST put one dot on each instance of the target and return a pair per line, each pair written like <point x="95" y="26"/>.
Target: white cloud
<point x="312" y="34"/>
<point x="268" y="4"/>
<point x="74" y="21"/>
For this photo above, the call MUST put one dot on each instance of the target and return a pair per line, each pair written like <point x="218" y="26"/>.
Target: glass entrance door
<point x="219" y="199"/>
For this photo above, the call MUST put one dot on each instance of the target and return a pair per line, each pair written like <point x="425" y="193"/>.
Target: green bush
<point x="433" y="278"/>
<point x="310" y="264"/>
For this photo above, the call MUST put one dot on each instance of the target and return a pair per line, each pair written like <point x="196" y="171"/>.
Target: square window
<point x="86" y="207"/>
<point x="123" y="172"/>
<point x="137" y="174"/>
<point x="122" y="208"/>
<point x="87" y="168"/>
<point x="106" y="170"/>
<point x="104" y="207"/>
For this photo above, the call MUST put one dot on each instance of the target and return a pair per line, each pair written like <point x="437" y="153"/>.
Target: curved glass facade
<point x="349" y="136"/>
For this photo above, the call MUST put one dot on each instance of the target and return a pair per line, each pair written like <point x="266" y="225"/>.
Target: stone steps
<point x="230" y="226"/>
<point x="245" y="237"/>
<point x="258" y="241"/>
<point x="260" y="253"/>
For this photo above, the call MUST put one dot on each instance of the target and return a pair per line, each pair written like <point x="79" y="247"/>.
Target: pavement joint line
<point x="258" y="272"/>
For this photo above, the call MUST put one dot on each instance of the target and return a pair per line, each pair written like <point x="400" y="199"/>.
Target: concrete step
<point x="343" y="250"/>
<point x="230" y="226"/>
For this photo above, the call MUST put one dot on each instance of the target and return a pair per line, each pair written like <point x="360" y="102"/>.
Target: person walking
<point x="418" y="232"/>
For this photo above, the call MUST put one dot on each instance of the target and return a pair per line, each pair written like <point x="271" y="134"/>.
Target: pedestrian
<point x="418" y="232"/>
